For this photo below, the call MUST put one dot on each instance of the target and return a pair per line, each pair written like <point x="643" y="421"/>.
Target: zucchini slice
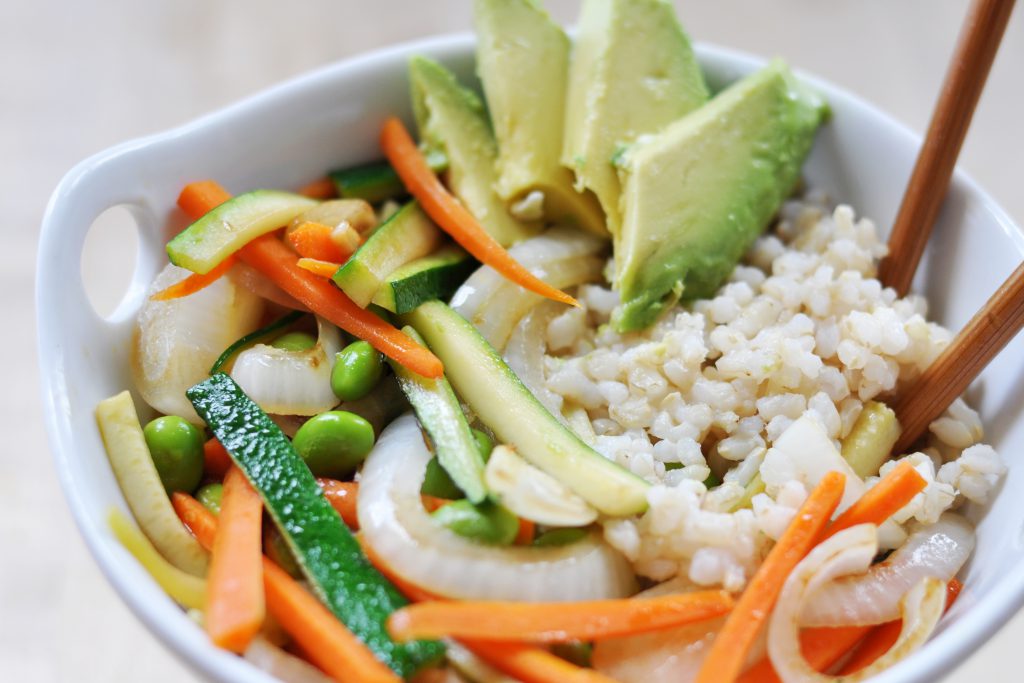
<point x="140" y="483"/>
<point x="440" y="413"/>
<point x="406" y="236"/>
<point x="377" y="181"/>
<point x="328" y="554"/>
<point x="232" y="225"/>
<point x="436" y="276"/>
<point x="500" y="400"/>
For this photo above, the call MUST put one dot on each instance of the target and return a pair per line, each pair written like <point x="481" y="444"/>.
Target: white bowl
<point x="292" y="133"/>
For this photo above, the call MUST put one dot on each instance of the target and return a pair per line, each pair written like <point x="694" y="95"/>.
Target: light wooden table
<point x="76" y="77"/>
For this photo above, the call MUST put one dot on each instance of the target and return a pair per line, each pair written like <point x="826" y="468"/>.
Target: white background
<point x="76" y="77"/>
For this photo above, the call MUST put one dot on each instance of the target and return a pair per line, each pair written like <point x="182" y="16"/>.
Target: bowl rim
<point x="946" y="650"/>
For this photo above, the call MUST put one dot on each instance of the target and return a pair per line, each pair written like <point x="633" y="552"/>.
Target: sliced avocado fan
<point x="696" y="195"/>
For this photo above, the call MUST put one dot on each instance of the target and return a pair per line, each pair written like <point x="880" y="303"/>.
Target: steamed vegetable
<point x="485" y="523"/>
<point x="870" y="441"/>
<point x="332" y="444"/>
<point x="532" y="494"/>
<point x="328" y="554"/>
<point x="377" y="181"/>
<point x="176" y="447"/>
<point x="141" y="486"/>
<point x="357" y="370"/>
<point x="883" y="500"/>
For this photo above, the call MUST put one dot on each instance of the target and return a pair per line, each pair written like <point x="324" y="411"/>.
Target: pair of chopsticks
<point x="1002" y="316"/>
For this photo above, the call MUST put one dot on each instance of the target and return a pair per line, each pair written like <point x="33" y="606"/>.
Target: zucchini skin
<point x="329" y="555"/>
<point x="376" y="181"/>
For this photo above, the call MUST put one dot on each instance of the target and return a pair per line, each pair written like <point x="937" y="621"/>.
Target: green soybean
<point x="334" y="443"/>
<point x="485" y="523"/>
<point x="177" y="450"/>
<point x="294" y="341"/>
<point x="437" y="482"/>
<point x="210" y="496"/>
<point x="357" y="370"/>
<point x="559" y="537"/>
<point x="484" y="443"/>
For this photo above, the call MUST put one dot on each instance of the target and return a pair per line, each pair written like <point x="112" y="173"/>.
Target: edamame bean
<point x="294" y="341"/>
<point x="334" y="443"/>
<point x="357" y="369"/>
<point x="437" y="483"/>
<point x="210" y="496"/>
<point x="559" y="537"/>
<point x="484" y="444"/>
<point x="176" y="447"/>
<point x="485" y="523"/>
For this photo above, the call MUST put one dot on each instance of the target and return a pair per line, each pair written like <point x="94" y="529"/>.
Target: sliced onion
<point x="257" y="283"/>
<point x="562" y="257"/>
<point x="472" y="667"/>
<point x="175" y="342"/>
<point x="938" y="551"/>
<point x="524" y="353"/>
<point x="533" y="494"/>
<point x="848" y="551"/>
<point x="290" y="382"/>
<point x="419" y="550"/>
<point x="285" y="667"/>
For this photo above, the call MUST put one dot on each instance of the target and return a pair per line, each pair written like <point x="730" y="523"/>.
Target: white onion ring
<point x="524" y="354"/>
<point x="287" y="668"/>
<point x="414" y="546"/>
<point x="938" y="551"/>
<point x="287" y="382"/>
<point x="850" y="550"/>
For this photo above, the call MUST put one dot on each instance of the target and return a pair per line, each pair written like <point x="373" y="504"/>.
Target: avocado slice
<point x="696" y="195"/>
<point x="633" y="72"/>
<point x="452" y="118"/>
<point x="522" y="58"/>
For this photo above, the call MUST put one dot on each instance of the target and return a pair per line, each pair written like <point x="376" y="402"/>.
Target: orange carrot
<point x="313" y="240"/>
<point x="216" y="461"/>
<point x="320" y="189"/>
<point x="531" y="664"/>
<point x="526" y="532"/>
<point x="882" y="637"/>
<point x="271" y="257"/>
<point x="319" y="635"/>
<point x="882" y="500"/>
<point x="234" y="592"/>
<point x="194" y="282"/>
<point x="821" y="647"/>
<point x="342" y="496"/>
<point x="324" y="269"/>
<point x="555" y="622"/>
<point x="451" y="215"/>
<point x="730" y="648"/>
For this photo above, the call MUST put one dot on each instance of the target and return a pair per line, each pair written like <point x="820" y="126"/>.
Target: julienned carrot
<point x="821" y="647"/>
<point x="882" y="500"/>
<point x="731" y="645"/>
<point x="313" y="240"/>
<point x="556" y="622"/>
<point x="531" y="664"/>
<point x="194" y="282"/>
<point x="884" y="636"/>
<point x="216" y="461"/>
<point x="342" y="497"/>
<point x="527" y="530"/>
<point x="234" y="587"/>
<point x="325" y="269"/>
<point x="451" y="216"/>
<point x="320" y="189"/>
<point x="271" y="257"/>
<point x="318" y="633"/>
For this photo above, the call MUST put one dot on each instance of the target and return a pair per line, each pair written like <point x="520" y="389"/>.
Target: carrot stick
<point x="323" y="638"/>
<point x="531" y="664"/>
<point x="313" y="240"/>
<point x="194" y="282"/>
<point x="451" y="216"/>
<point x="526" y="532"/>
<point x="882" y="637"/>
<point x="555" y="622"/>
<point x="216" y="461"/>
<point x="324" y="269"/>
<point x="821" y="647"/>
<point x="882" y="500"/>
<point x="342" y="497"/>
<point x="234" y="593"/>
<point x="271" y="257"/>
<point x="320" y="189"/>
<point x="730" y="648"/>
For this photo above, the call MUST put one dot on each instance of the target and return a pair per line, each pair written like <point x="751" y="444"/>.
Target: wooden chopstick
<point x="979" y="39"/>
<point x="991" y="329"/>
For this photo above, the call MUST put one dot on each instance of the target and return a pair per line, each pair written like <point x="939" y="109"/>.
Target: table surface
<point x="78" y="77"/>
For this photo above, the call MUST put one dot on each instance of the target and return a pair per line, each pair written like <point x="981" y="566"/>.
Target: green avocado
<point x="452" y="118"/>
<point x="632" y="73"/>
<point x="696" y="195"/>
<point x="522" y="58"/>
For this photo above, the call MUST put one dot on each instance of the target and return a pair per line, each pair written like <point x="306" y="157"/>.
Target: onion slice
<point x="938" y="551"/>
<point x="532" y="493"/>
<point x="851" y="550"/>
<point x="416" y="548"/>
<point x="524" y="354"/>
<point x="287" y="382"/>
<point x="285" y="667"/>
